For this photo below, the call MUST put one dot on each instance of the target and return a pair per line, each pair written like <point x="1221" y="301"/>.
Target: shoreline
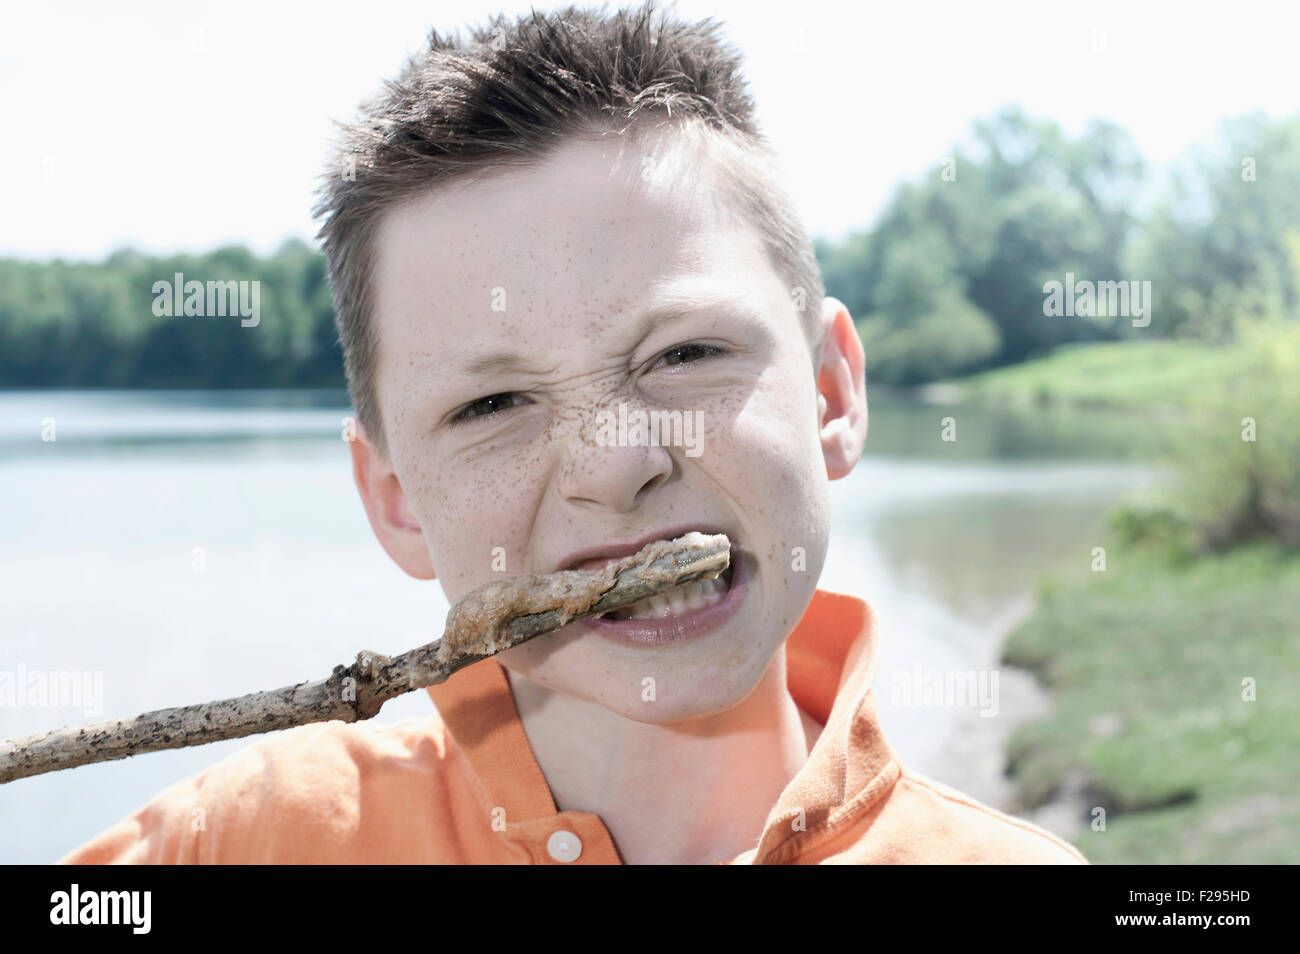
<point x="976" y="754"/>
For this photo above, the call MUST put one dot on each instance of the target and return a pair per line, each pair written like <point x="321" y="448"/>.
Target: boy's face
<point x="535" y="286"/>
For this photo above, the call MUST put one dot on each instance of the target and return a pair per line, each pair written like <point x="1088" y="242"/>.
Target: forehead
<point x="596" y="230"/>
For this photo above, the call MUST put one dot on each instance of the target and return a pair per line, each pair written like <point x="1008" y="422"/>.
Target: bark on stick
<point x="484" y="622"/>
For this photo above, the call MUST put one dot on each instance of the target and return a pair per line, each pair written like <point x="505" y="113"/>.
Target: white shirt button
<point x="564" y="846"/>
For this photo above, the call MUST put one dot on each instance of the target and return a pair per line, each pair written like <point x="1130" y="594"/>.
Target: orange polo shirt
<point x="463" y="787"/>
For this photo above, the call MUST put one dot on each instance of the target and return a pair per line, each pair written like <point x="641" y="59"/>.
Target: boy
<point x="543" y="242"/>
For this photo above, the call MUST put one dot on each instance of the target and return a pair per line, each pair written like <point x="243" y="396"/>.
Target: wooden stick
<point x="357" y="692"/>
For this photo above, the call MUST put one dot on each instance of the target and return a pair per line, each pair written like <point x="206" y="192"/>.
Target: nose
<point x="602" y="467"/>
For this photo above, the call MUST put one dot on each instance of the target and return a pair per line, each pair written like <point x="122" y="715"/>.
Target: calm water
<point x="197" y="545"/>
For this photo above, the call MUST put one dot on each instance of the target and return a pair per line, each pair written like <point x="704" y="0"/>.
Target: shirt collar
<point x="830" y="665"/>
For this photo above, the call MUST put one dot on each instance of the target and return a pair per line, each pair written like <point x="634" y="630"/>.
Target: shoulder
<point x="294" y="796"/>
<point x="957" y="829"/>
<point x="326" y="763"/>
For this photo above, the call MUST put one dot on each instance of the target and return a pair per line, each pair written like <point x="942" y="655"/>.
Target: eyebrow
<point x="495" y="362"/>
<point x="677" y="308"/>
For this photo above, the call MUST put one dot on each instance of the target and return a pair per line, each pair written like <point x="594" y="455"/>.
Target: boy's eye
<point x="496" y="403"/>
<point x="486" y="407"/>
<point x="684" y="354"/>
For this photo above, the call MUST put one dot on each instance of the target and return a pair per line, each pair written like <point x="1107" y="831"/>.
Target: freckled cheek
<point x="769" y="458"/>
<point x="478" y="519"/>
<point x="763" y="445"/>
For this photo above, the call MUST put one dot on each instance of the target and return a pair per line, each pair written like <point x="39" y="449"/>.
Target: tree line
<point x="950" y="279"/>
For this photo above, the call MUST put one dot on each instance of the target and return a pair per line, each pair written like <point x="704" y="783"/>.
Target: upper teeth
<point x="680" y="599"/>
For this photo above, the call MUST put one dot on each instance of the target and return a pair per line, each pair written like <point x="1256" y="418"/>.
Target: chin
<point x="687" y="702"/>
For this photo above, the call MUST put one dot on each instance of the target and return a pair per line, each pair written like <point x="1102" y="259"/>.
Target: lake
<point x="196" y="545"/>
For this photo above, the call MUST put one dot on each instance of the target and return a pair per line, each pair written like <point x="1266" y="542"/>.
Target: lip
<point x="671" y="629"/>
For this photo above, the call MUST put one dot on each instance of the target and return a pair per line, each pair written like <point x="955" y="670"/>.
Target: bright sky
<point x="184" y="126"/>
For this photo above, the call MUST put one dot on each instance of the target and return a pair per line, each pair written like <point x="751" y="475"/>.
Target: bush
<point x="1240" y="465"/>
<point x="1156" y="526"/>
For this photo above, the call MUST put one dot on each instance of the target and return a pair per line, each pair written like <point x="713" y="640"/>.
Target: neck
<point x="695" y="792"/>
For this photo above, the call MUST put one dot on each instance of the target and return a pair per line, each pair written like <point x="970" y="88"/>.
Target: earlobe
<point x="395" y="526"/>
<point x="841" y="390"/>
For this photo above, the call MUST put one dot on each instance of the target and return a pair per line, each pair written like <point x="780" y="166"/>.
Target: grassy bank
<point x="1147" y="661"/>
<point x="1151" y="659"/>
<point x="1151" y="375"/>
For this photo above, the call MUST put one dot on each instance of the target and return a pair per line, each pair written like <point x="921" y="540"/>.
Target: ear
<point x="390" y="517"/>
<point x="841" y="390"/>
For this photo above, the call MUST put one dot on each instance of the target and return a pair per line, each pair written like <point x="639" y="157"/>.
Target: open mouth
<point x="678" y="601"/>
